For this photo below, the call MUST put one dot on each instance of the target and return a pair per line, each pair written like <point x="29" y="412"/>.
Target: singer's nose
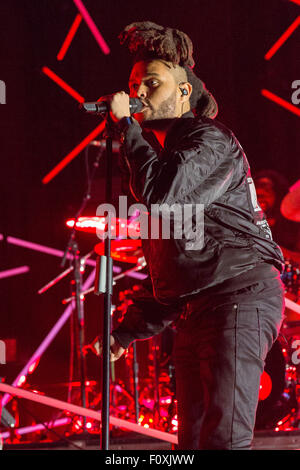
<point x="141" y="92"/>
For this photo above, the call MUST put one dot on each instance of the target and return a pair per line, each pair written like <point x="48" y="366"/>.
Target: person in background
<point x="271" y="188"/>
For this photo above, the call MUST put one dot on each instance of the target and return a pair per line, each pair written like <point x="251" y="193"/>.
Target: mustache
<point x="147" y="103"/>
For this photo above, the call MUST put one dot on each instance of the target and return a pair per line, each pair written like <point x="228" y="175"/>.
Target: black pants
<point x="219" y="359"/>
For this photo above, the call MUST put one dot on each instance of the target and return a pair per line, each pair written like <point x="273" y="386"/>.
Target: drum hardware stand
<point x="80" y="323"/>
<point x="138" y="267"/>
<point x="135" y="370"/>
<point x="154" y="346"/>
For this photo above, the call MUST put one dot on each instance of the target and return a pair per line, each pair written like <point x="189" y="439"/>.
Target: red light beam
<point x="69" y="38"/>
<point x="63" y="84"/>
<point x="295" y="1"/>
<point x="68" y="158"/>
<point x="283" y="38"/>
<point x="91" y="24"/>
<point x="285" y="104"/>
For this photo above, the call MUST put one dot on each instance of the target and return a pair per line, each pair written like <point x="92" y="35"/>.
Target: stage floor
<point x="263" y="440"/>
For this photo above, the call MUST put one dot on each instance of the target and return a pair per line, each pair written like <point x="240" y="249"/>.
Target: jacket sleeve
<point x="204" y="154"/>
<point x="144" y="318"/>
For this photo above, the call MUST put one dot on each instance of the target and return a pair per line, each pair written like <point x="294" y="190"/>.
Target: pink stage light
<point x="37" y="427"/>
<point x="283" y="38"/>
<point x="79" y="410"/>
<point x="94" y="30"/>
<point x="76" y="151"/>
<point x="285" y="104"/>
<point x="14" y="272"/>
<point x="63" y="84"/>
<point x="48" y="340"/>
<point x="69" y="38"/>
<point x="43" y="249"/>
<point x="60" y="253"/>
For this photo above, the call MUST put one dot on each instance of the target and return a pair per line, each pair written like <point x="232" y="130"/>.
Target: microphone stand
<point x="104" y="285"/>
<point x="104" y="268"/>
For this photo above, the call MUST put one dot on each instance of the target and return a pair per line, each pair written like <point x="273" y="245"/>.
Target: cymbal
<point x="98" y="224"/>
<point x="127" y="251"/>
<point x="290" y="205"/>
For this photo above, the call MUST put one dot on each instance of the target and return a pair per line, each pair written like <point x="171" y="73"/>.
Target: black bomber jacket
<point x="202" y="163"/>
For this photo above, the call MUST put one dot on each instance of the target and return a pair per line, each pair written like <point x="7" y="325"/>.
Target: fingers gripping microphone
<point x="100" y="107"/>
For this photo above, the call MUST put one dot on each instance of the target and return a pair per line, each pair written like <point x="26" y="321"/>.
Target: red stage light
<point x="283" y="38"/>
<point x="69" y="37"/>
<point x="66" y="160"/>
<point x="60" y="82"/>
<point x="265" y="386"/>
<point x="88" y="224"/>
<point x="285" y="104"/>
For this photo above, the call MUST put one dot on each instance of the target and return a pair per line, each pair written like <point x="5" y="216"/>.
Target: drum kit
<point x="151" y="400"/>
<point x="279" y="404"/>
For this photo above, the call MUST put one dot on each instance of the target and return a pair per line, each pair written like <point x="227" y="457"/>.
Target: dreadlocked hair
<point x="148" y="41"/>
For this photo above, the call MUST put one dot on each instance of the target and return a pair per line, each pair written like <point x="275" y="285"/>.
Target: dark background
<point x="41" y="123"/>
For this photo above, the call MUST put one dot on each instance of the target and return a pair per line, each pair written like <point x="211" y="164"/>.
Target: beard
<point x="166" y="110"/>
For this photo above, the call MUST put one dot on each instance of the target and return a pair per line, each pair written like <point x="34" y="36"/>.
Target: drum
<point x="278" y="389"/>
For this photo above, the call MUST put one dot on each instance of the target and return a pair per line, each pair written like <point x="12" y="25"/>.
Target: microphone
<point x="100" y="107"/>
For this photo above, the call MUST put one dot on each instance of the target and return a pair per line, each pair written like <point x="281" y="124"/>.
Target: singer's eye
<point x="152" y="83"/>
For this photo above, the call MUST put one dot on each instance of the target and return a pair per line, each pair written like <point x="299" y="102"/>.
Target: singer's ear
<point x="185" y="89"/>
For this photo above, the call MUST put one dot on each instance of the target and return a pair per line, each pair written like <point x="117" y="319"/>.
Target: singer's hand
<point x="119" y="106"/>
<point x="116" y="349"/>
